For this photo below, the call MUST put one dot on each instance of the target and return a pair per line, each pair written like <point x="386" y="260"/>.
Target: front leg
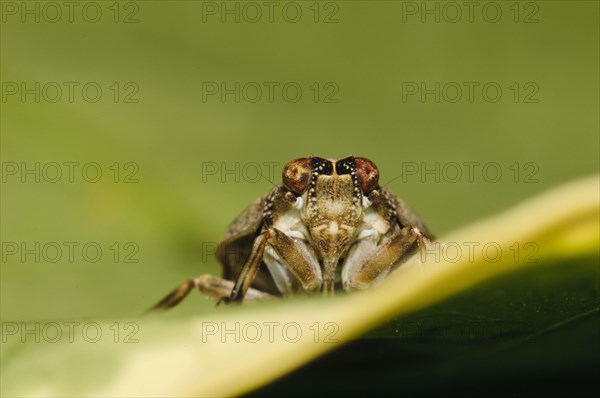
<point x="248" y="271"/>
<point x="295" y="254"/>
<point x="298" y="257"/>
<point x="369" y="261"/>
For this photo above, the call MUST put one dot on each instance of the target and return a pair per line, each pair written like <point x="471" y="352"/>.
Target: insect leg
<point x="299" y="258"/>
<point x="369" y="261"/>
<point x="218" y="288"/>
<point x="283" y="278"/>
<point x="175" y="297"/>
<point x="248" y="271"/>
<point x="210" y="286"/>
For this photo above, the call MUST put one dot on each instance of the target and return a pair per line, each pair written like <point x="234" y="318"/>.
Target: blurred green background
<point x="353" y="60"/>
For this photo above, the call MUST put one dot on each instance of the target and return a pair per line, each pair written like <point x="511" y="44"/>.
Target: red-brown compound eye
<point x="368" y="174"/>
<point x="296" y="175"/>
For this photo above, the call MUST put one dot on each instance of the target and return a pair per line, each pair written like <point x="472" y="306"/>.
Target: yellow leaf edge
<point x="188" y="358"/>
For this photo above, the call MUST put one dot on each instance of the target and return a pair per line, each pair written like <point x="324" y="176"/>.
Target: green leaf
<point x="532" y="331"/>
<point x="182" y="356"/>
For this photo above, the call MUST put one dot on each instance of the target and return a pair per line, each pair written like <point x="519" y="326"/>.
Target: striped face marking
<point x="333" y="205"/>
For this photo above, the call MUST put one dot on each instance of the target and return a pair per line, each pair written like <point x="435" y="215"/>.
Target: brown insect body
<point x="329" y="224"/>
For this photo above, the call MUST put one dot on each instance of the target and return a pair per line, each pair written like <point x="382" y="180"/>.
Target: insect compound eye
<point x="296" y="175"/>
<point x="368" y="174"/>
